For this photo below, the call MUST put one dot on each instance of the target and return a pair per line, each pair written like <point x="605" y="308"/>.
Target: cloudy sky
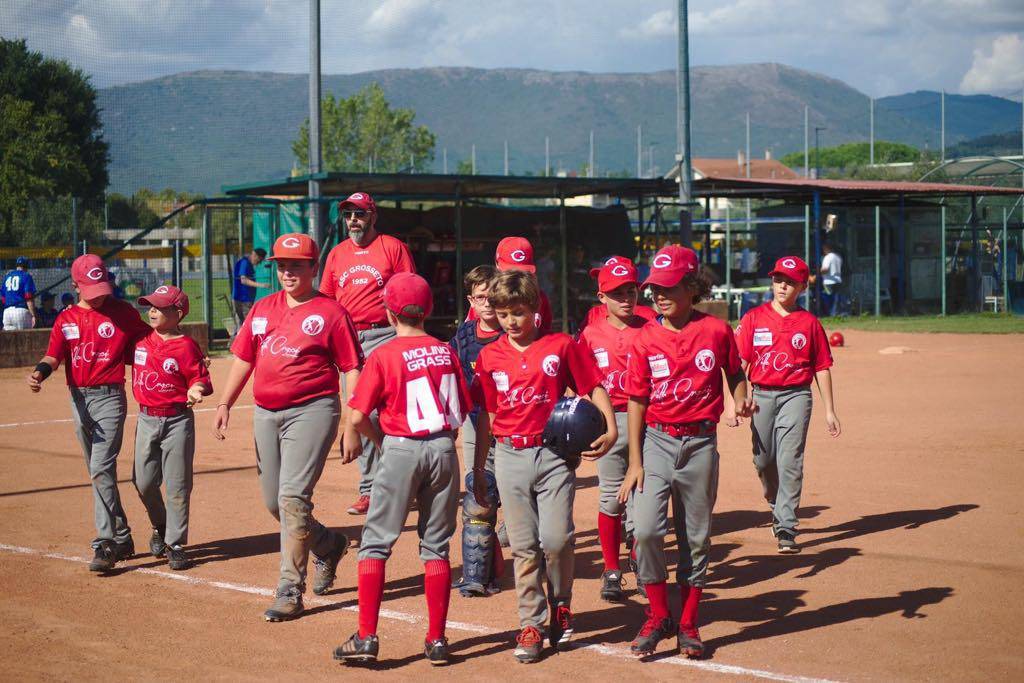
<point x="881" y="47"/>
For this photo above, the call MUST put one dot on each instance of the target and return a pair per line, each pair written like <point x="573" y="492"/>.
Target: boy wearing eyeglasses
<point x="355" y="274"/>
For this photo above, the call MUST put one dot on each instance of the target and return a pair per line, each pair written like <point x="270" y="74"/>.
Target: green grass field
<point x="966" y="323"/>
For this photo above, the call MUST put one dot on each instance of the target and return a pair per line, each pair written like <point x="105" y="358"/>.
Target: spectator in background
<point x="47" y="314"/>
<point x="67" y="300"/>
<point x="244" y="284"/>
<point x="18" y="292"/>
<point x="831" y="279"/>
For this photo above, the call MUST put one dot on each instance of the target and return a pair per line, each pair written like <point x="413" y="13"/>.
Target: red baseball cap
<point x="515" y="253"/>
<point x="164" y="296"/>
<point x="670" y="264"/>
<point x="792" y="267"/>
<point x="617" y="271"/>
<point x="408" y="289"/>
<point x="358" y="200"/>
<point x="89" y="273"/>
<point x="295" y="245"/>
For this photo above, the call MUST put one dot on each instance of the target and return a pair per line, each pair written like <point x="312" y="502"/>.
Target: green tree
<point x="364" y="128"/>
<point x="855" y="154"/>
<point x="51" y="141"/>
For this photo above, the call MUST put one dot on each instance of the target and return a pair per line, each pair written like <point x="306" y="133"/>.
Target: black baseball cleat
<point x="651" y="633"/>
<point x="157" y="547"/>
<point x="787" y="543"/>
<point x="326" y="568"/>
<point x="436" y="651"/>
<point x="125" y="551"/>
<point x="177" y="559"/>
<point x="611" y="586"/>
<point x="689" y="642"/>
<point x="105" y="557"/>
<point x="364" y="650"/>
<point x="528" y="645"/>
<point x="287" y="605"/>
<point x="560" y="630"/>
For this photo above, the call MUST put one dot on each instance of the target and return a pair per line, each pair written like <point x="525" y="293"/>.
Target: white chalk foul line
<point x="59" y="421"/>
<point x="606" y="650"/>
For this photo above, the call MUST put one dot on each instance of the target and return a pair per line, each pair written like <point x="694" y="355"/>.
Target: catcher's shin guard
<point x="478" y="539"/>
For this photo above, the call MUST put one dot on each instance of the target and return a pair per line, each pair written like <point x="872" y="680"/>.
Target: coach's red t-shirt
<point x="600" y="312"/>
<point x="92" y="343"/>
<point x="680" y="373"/>
<point x="542" y="319"/>
<point x="164" y="369"/>
<point x="782" y="351"/>
<point x="355" y="275"/>
<point x="417" y="385"/>
<point x="297" y="352"/>
<point x="610" y="347"/>
<point x="522" y="387"/>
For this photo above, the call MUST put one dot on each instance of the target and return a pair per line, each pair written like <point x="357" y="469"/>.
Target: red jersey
<point x="417" y="385"/>
<point x="782" y="351"/>
<point x="610" y="347"/>
<point x="522" y="387"/>
<point x="600" y="312"/>
<point x="92" y="343"/>
<point x="355" y="275"/>
<point x="680" y="373"/>
<point x="542" y="319"/>
<point x="297" y="352"/>
<point x="164" y="369"/>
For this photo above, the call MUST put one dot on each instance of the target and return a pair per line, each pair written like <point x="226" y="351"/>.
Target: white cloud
<point x="999" y="69"/>
<point x="661" y="24"/>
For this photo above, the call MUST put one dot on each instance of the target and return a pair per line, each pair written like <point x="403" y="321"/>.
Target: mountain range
<point x="198" y="131"/>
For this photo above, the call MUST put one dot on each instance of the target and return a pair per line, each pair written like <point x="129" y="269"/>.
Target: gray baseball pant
<point x="611" y="471"/>
<point x="537" y="491"/>
<point x="291" y="447"/>
<point x="469" y="446"/>
<point x="369" y="459"/>
<point x="779" y="435"/>
<point x="99" y="414"/>
<point x="427" y="469"/>
<point x="688" y="467"/>
<point x="164" y="451"/>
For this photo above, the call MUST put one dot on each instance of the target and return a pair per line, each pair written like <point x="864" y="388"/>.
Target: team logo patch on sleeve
<point x="313" y="325"/>
<point x="550" y="365"/>
<point x="105" y="330"/>
<point x="170" y="366"/>
<point x="705" y="360"/>
<point x="799" y="341"/>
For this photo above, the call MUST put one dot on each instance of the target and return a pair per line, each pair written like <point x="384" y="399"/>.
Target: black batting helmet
<point x="574" y="424"/>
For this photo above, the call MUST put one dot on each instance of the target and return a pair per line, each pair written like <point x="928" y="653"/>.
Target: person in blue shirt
<point x="18" y="292"/>
<point x="244" y="284"/>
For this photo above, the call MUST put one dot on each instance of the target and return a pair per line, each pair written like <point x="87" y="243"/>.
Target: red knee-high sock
<point x="657" y="595"/>
<point x="690" y="599"/>
<point x="371" y="591"/>
<point x="437" y="586"/>
<point x="609" y="530"/>
<point x="497" y="561"/>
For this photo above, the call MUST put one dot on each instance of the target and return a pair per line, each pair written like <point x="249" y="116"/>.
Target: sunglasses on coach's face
<point x="353" y="213"/>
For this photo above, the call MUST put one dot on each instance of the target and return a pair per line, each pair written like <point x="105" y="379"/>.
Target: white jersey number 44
<point x="421" y="410"/>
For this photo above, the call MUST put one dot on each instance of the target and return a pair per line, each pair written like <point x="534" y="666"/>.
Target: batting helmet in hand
<point x="574" y="424"/>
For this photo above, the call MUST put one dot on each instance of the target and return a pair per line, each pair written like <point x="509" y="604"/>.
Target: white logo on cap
<point x="170" y="366"/>
<point x="290" y="243"/>
<point x="105" y="330"/>
<point x="789" y="263"/>
<point x="799" y="341"/>
<point x="550" y="365"/>
<point x="662" y="261"/>
<point x="612" y="261"/>
<point x="95" y="274"/>
<point x="620" y="271"/>
<point x="705" y="360"/>
<point x="313" y="325"/>
<point x="357" y="196"/>
<point x="518" y="255"/>
<point x="161" y="290"/>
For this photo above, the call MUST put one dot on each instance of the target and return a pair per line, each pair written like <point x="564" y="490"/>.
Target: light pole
<point x="817" y="154"/>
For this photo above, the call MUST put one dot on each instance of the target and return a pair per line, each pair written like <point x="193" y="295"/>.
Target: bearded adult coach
<point x="355" y="274"/>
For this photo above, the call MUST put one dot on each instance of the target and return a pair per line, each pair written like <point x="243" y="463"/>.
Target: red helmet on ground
<point x="836" y="339"/>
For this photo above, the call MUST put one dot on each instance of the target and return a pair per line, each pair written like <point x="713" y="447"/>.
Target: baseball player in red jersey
<point x="600" y="311"/>
<point x="416" y="384"/>
<point x="519" y="378"/>
<point x="516" y="253"/>
<point x="294" y="343"/>
<point x="355" y="274"/>
<point x="169" y="376"/>
<point x="92" y="338"/>
<point x="674" y="382"/>
<point x="784" y="348"/>
<point x="610" y="339"/>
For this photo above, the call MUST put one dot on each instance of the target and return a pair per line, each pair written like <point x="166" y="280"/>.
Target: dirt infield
<point x="912" y="568"/>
